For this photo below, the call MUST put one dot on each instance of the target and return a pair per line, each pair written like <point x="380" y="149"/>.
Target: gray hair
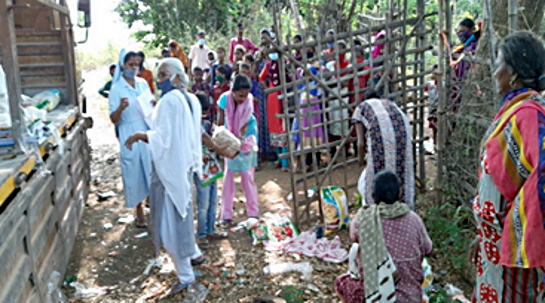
<point x="175" y="67"/>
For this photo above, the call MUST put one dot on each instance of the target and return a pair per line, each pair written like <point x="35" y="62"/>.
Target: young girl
<point x="237" y="114"/>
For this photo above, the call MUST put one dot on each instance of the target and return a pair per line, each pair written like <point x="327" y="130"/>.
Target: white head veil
<point x="118" y="68"/>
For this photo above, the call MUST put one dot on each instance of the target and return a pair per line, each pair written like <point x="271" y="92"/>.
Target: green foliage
<point x="451" y="229"/>
<point x="182" y="19"/>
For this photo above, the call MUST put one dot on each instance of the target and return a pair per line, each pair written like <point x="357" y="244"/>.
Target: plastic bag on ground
<point x="334" y="207"/>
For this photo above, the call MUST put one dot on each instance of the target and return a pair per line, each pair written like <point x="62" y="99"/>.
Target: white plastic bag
<point x="5" y="118"/>
<point x="361" y="187"/>
<point x="48" y="99"/>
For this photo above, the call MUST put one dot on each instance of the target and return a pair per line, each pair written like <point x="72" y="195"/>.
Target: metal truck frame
<point x="42" y="194"/>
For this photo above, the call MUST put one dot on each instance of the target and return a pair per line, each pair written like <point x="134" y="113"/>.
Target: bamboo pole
<point x="443" y="62"/>
<point x="421" y="103"/>
<point x="368" y="30"/>
<point x="286" y="122"/>
<point x="512" y="17"/>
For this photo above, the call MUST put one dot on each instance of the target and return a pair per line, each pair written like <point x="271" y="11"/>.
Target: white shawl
<point x="175" y="145"/>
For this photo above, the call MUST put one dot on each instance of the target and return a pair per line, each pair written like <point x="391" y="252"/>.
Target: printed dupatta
<point x="515" y="160"/>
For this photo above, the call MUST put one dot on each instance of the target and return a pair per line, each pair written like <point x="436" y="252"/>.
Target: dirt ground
<point x="115" y="258"/>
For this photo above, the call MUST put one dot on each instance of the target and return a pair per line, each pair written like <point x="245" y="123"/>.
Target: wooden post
<point x="283" y="79"/>
<point x="421" y="41"/>
<point x="8" y="43"/>
<point x="512" y="19"/>
<point x="71" y="97"/>
<point x="492" y="40"/>
<point x="444" y="61"/>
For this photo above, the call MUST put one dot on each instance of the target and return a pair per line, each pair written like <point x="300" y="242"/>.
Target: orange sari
<point x="179" y="53"/>
<point x="147" y="75"/>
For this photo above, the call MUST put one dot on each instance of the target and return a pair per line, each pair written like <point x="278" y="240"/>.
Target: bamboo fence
<point x="401" y="75"/>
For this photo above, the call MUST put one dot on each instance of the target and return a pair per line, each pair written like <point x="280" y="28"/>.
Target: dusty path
<point x="114" y="257"/>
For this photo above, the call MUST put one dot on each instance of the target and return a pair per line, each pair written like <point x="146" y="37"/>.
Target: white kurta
<point x="176" y="152"/>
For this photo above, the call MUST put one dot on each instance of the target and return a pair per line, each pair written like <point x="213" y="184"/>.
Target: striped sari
<point x="389" y="146"/>
<point x="510" y="203"/>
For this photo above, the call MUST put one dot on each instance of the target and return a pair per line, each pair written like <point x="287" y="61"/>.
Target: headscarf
<point x="118" y="68"/>
<point x="374" y="253"/>
<point x="238" y="115"/>
<point x="179" y="53"/>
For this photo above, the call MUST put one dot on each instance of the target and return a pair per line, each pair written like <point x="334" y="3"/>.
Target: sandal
<point x="140" y="223"/>
<point x="199" y="261"/>
<point x="218" y="236"/>
<point x="203" y="243"/>
<point x="226" y="224"/>
<point x="178" y="288"/>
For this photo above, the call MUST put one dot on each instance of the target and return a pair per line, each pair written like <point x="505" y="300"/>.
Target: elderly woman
<point x="125" y="114"/>
<point x="176" y="153"/>
<point x="385" y="141"/>
<point x="510" y="206"/>
<point x="386" y="232"/>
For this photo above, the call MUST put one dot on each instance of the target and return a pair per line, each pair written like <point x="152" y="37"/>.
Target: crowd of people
<point x="164" y="158"/>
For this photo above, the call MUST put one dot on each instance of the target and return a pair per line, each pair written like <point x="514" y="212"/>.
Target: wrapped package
<point x="226" y="141"/>
<point x="334" y="208"/>
<point x="211" y="168"/>
<point x="48" y="99"/>
<point x="280" y="228"/>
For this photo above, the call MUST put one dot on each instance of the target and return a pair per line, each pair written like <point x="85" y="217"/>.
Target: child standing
<point x="237" y="113"/>
<point x="207" y="189"/>
<point x="201" y="86"/>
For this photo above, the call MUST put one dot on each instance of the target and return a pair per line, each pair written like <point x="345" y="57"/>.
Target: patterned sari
<point x="510" y="203"/>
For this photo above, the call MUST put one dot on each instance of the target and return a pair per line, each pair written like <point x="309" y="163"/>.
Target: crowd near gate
<point x="401" y="74"/>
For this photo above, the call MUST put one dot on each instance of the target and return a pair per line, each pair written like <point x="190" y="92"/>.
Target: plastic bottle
<point x="54" y="294"/>
<point x="305" y="268"/>
<point x="196" y="293"/>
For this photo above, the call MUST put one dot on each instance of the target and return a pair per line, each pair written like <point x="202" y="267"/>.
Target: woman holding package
<point x="237" y="113"/>
<point x="176" y="153"/>
<point x="510" y="204"/>
<point x="128" y="119"/>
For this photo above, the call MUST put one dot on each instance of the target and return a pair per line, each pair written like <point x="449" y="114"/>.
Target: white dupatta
<point x="175" y="145"/>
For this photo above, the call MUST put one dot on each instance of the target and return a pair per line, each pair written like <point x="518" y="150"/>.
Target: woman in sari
<point x="386" y="232"/>
<point x="177" y="51"/>
<point x="384" y="142"/>
<point x="461" y="66"/>
<point x="510" y="203"/>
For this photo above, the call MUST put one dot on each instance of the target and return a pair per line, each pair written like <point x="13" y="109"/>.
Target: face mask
<point x="202" y="41"/>
<point x="219" y="78"/>
<point x="331" y="45"/>
<point x="273" y="56"/>
<point x="166" y="86"/>
<point x="464" y="36"/>
<point x="129" y="73"/>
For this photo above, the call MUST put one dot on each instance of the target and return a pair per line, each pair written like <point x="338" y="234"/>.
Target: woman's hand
<point x="139" y="136"/>
<point x="124" y="104"/>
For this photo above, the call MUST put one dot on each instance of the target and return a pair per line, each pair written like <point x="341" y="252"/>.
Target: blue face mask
<point x="273" y="56"/>
<point x="129" y="73"/>
<point x="331" y="45"/>
<point x="166" y="86"/>
<point x="202" y="41"/>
